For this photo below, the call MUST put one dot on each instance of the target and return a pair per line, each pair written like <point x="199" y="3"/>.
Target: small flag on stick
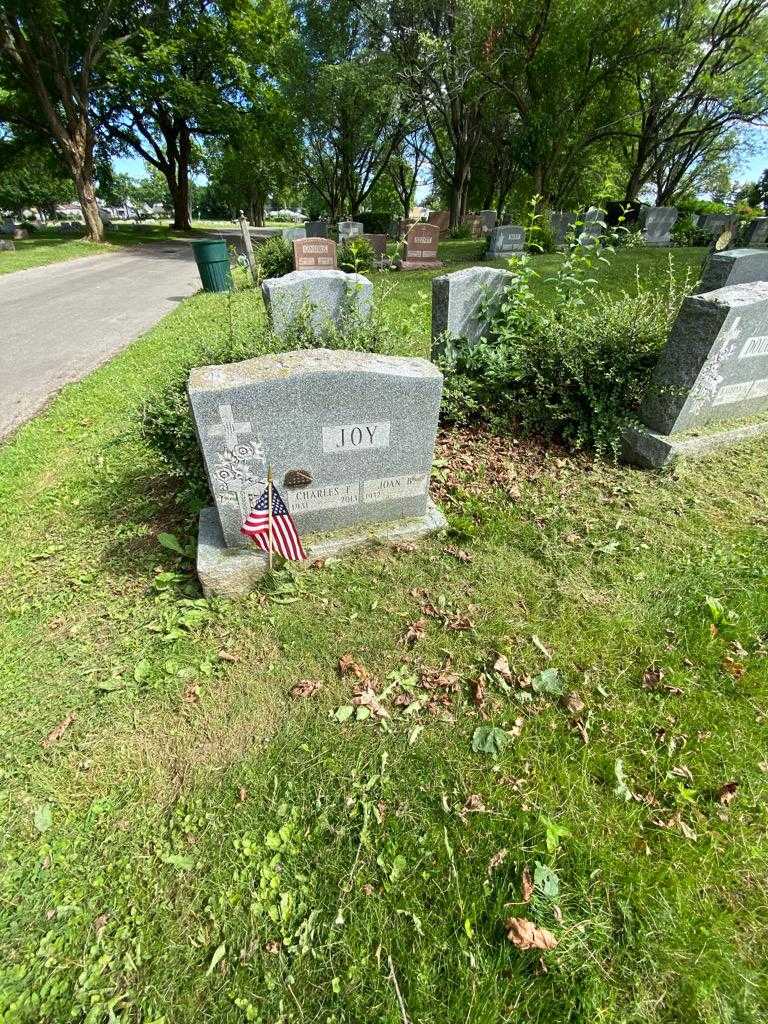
<point x="269" y="525"/>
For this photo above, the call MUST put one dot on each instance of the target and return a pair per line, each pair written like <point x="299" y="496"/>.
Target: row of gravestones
<point x="349" y="436"/>
<point x="319" y="253"/>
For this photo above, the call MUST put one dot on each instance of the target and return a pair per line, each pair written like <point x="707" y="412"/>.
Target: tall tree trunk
<point x="181" y="218"/>
<point x="81" y="169"/>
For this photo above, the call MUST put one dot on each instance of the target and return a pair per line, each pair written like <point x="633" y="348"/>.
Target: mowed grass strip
<point x="197" y="843"/>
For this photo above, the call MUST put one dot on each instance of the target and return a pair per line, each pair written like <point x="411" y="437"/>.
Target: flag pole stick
<point x="269" y="512"/>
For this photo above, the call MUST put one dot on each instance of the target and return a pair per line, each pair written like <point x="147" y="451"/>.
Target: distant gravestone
<point x="352" y="464"/>
<point x="657" y="223"/>
<point x="441" y="219"/>
<point x="474" y="223"/>
<point x="328" y="295"/>
<point x="314" y="254"/>
<point x="463" y="304"/>
<point x="316" y="229"/>
<point x="734" y="266"/>
<point x="421" y="248"/>
<point x="291" y="234"/>
<point x="7" y="228"/>
<point x="561" y="223"/>
<point x="593" y="227"/>
<point x="350" y="229"/>
<point x="378" y="242"/>
<point x="487" y="221"/>
<point x="713" y="370"/>
<point x="20" y="233"/>
<point x="715" y="223"/>
<point x="505" y="240"/>
<point x="755" y="232"/>
<point x="6" y="245"/>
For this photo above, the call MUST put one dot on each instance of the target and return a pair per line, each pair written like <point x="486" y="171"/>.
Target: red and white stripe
<point x="285" y="539"/>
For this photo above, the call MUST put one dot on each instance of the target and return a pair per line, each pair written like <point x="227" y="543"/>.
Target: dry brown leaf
<point x="348" y="666"/>
<point x="416" y="631"/>
<point x="306" y="688"/>
<point x="366" y="697"/>
<point x="478" y="690"/>
<point x="572" y="703"/>
<point x="273" y="946"/>
<point x="581" y="728"/>
<point x="458" y="553"/>
<point x="517" y="728"/>
<point x="526" y="885"/>
<point x="58" y="731"/>
<point x="544" y="650"/>
<point x="727" y="793"/>
<point x="501" y="665"/>
<point x="474" y="803"/>
<point x="557" y="914"/>
<point x="227" y="656"/>
<point x="191" y="694"/>
<point x="368" y="889"/>
<point x="458" y="621"/>
<point x="242" y="795"/>
<point x="497" y="859"/>
<point x="734" y="668"/>
<point x="524" y="934"/>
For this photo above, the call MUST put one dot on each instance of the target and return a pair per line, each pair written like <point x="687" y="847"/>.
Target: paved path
<point x="57" y="323"/>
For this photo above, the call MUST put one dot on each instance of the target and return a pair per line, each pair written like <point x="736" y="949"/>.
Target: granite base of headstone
<point x="733" y="266"/>
<point x="657" y="223"/>
<point x="325" y="296"/>
<point x="463" y="304"/>
<point x="506" y="240"/>
<point x="712" y="373"/>
<point x="6" y="245"/>
<point x="349" y="437"/>
<point x="421" y="248"/>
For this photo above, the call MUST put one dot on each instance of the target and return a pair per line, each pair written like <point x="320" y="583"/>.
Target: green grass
<point x="198" y="845"/>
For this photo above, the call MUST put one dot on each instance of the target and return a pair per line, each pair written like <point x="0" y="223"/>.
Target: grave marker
<point x="657" y="223"/>
<point x="561" y="223"/>
<point x="755" y="232"/>
<point x="441" y="219"/>
<point x="349" y="436"/>
<point x="421" y="248"/>
<point x="291" y="234"/>
<point x="327" y="294"/>
<point x="487" y="221"/>
<point x="714" y="369"/>
<point x="314" y="253"/>
<point x="593" y="227"/>
<point x="316" y="228"/>
<point x="463" y="304"/>
<point x="504" y="240"/>
<point x="715" y="223"/>
<point x="733" y="266"/>
<point x="6" y="245"/>
<point x="350" y="229"/>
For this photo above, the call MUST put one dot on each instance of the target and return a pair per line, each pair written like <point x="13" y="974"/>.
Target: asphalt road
<point x="57" y="323"/>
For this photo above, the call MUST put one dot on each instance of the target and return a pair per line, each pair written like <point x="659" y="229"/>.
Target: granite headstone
<point x="733" y="266"/>
<point x="593" y="227"/>
<point x="441" y="219"/>
<point x="755" y="232"/>
<point x="327" y="294"/>
<point x="487" y="221"/>
<point x="714" y="369"/>
<point x="316" y="228"/>
<point x="314" y="254"/>
<point x="291" y="234"/>
<point x="561" y="223"/>
<point x="504" y="240"/>
<point x="421" y="248"/>
<point x="350" y="229"/>
<point x="463" y="304"/>
<point x="657" y="223"/>
<point x="715" y="223"/>
<point x="6" y="245"/>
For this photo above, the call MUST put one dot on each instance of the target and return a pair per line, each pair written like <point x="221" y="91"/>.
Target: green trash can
<point x="212" y="260"/>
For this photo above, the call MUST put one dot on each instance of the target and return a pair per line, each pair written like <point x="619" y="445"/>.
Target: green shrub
<point x="574" y="370"/>
<point x="356" y="255"/>
<point x="274" y="258"/>
<point x="461" y="233"/>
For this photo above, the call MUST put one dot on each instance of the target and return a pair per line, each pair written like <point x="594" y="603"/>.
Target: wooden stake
<point x="246" y="233"/>
<point x="269" y="512"/>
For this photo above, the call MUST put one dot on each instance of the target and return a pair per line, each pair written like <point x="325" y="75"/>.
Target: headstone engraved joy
<point x="734" y="266"/>
<point x="350" y="439"/>
<point x="327" y="295"/>
<point x="504" y="240"/>
<point x="657" y="223"/>
<point x="314" y="254"/>
<point x="421" y="248"/>
<point x="463" y="304"/>
<point x="713" y="370"/>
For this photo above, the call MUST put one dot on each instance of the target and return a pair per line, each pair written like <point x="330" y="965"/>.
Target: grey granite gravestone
<point x="6" y="245"/>
<point x="289" y="234"/>
<point x="755" y="232"/>
<point x="487" y="221"/>
<point x="657" y="223"/>
<point x="349" y="437"/>
<point x="329" y="295"/>
<point x="350" y="229"/>
<point x="561" y="223"/>
<point x="504" y="240"/>
<point x="7" y="228"/>
<point x="463" y="304"/>
<point x="714" y="369"/>
<point x="593" y="227"/>
<point x="316" y="229"/>
<point x="715" y="223"/>
<point x="733" y="266"/>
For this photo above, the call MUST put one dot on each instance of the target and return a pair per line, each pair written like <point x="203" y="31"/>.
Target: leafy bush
<point x="274" y="258"/>
<point x="685" y="232"/>
<point x="356" y="255"/>
<point x="461" y="233"/>
<point x="570" y="370"/>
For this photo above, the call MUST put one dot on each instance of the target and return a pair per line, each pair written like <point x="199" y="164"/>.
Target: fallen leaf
<point x="458" y="553"/>
<point x="191" y="694"/>
<point x="544" y="650"/>
<point x="517" y="728"/>
<point x="217" y="955"/>
<point x="501" y="665"/>
<point x="242" y="795"/>
<point x="475" y="803"/>
<point x="478" y="691"/>
<point x="524" y="934"/>
<point x="348" y="666"/>
<point x="734" y="668"/>
<point x="621" y="789"/>
<point x="56" y="733"/>
<point x="549" y="683"/>
<point x="367" y="698"/>
<point x="273" y="946"/>
<point x="100" y="922"/>
<point x="306" y="688"/>
<point x="43" y="817"/>
<point x="368" y="889"/>
<point x="489" y="739"/>
<point x="226" y="656"/>
<point x="526" y="885"/>
<point x="727" y="793"/>
<point x="416" y="631"/>
<point x="572" y="703"/>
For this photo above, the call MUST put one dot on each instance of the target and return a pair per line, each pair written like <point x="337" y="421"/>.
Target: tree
<point x="762" y="189"/>
<point x="405" y="167"/>
<point x="50" y="51"/>
<point x="32" y="176"/>
<point x="186" y="72"/>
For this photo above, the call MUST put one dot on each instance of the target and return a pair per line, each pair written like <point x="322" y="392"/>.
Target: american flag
<point x="285" y="539"/>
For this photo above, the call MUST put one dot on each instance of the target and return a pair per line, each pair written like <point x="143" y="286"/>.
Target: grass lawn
<point x="186" y="841"/>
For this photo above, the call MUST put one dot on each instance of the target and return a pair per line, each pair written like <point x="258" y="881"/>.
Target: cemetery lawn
<point x="185" y="840"/>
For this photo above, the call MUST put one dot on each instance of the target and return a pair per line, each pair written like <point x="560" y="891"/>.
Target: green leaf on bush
<point x="167" y="540"/>
<point x="549" y="683"/>
<point x="489" y="739"/>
